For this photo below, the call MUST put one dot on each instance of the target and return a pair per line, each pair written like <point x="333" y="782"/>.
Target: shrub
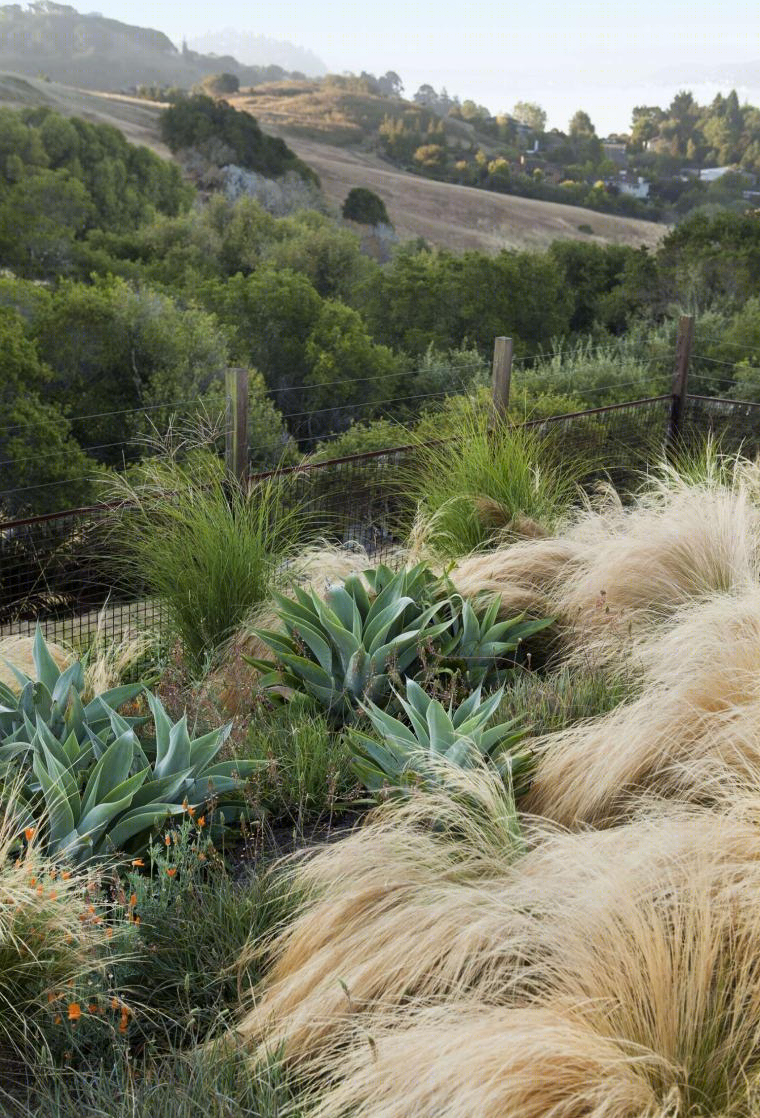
<point x="490" y="481"/>
<point x="365" y="206"/>
<point x="305" y="775"/>
<point x="206" y="546"/>
<point x="50" y="942"/>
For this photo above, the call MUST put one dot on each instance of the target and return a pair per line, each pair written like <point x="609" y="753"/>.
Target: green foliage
<point x="365" y="206"/>
<point x="409" y="755"/>
<point x="228" y="136"/>
<point x="304" y="345"/>
<point x="41" y="465"/>
<point x="495" y="480"/>
<point x="87" y="783"/>
<point x="55" y="700"/>
<point x="547" y="701"/>
<point x="477" y="648"/>
<point x="448" y="301"/>
<point x="60" y="177"/>
<point x="209" y="548"/>
<point x="305" y="777"/>
<point x="344" y="649"/>
<point x="121" y="347"/>
<point x="196" y="922"/>
<point x="349" y="646"/>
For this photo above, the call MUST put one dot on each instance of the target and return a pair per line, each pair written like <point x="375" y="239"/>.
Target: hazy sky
<point x="602" y="56"/>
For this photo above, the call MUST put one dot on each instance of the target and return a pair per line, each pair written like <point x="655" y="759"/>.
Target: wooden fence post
<point x="680" y="380"/>
<point x="236" y="447"/>
<point x="501" y="376"/>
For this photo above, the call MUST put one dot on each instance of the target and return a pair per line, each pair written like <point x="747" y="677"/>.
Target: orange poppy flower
<point x="75" y="1011"/>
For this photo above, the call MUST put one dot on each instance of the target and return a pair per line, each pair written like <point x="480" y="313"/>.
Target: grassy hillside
<point x="326" y="112"/>
<point x="462" y="217"/>
<point x="450" y="216"/>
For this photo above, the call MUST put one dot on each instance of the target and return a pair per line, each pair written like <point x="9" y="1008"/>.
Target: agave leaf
<point x="355" y="587"/>
<point x="506" y="734"/>
<point x="343" y="639"/>
<point x="164" y="790"/>
<point x="177" y="756"/>
<point x="483" y="713"/>
<point x="8" y="696"/>
<point x="162" y="724"/>
<point x="378" y="629"/>
<point x="440" y="728"/>
<point x="308" y="670"/>
<point x="280" y="643"/>
<point x="65" y="682"/>
<point x="109" y="771"/>
<point x="137" y="820"/>
<point x="466" y="708"/>
<point x="317" y="645"/>
<point x="47" y="669"/>
<point x="117" y="696"/>
<point x="59" y="813"/>
<point x="344" y="607"/>
<point x="243" y="766"/>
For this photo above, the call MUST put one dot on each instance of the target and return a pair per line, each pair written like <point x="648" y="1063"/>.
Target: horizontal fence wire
<point x="61" y="570"/>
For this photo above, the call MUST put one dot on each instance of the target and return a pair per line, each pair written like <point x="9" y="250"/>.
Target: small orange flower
<point x="58" y="1019"/>
<point x="172" y="872"/>
<point x="29" y="833"/>
<point x="124" y="1021"/>
<point x="51" y="996"/>
<point x="92" y="1008"/>
<point x="53" y="895"/>
<point x="114" y="1003"/>
<point x="138" y="862"/>
<point x="201" y="820"/>
<point x="32" y="880"/>
<point x="39" y="891"/>
<point x="65" y="875"/>
<point x="133" y="900"/>
<point x="167" y="840"/>
<point x="75" y="1011"/>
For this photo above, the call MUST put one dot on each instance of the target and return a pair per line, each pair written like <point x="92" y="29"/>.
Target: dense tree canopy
<point x="227" y="136"/>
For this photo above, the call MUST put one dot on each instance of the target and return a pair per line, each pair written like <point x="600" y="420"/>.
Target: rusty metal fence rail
<point x="58" y="569"/>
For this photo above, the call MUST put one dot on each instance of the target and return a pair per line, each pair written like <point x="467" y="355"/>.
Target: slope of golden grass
<point x="449" y="216"/>
<point x="463" y="217"/>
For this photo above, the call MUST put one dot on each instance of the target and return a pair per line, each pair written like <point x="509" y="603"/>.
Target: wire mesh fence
<point x="61" y="570"/>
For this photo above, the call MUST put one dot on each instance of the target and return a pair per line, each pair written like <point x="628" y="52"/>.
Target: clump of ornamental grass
<point x="54" y="942"/>
<point x="614" y="973"/>
<point x="492" y="481"/>
<point x="697" y="714"/>
<point x="207" y="546"/>
<point x="389" y="911"/>
<point x="680" y="541"/>
<point x="185" y="1081"/>
<point x="307" y="778"/>
<point x="612" y="569"/>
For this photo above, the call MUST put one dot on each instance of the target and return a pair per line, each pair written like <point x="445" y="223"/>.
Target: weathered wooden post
<point x="236" y="447"/>
<point x="501" y="376"/>
<point x="680" y="380"/>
